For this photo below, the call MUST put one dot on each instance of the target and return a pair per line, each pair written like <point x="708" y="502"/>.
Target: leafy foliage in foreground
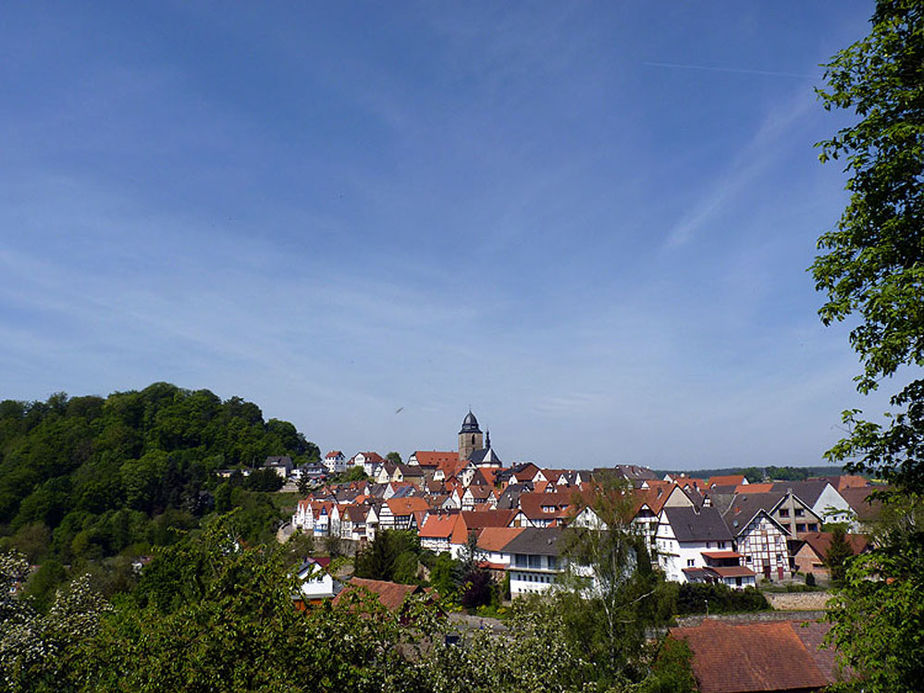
<point x="872" y="270"/>
<point x="211" y="614"/>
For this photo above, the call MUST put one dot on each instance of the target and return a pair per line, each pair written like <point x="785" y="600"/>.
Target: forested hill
<point x="89" y="477"/>
<point x="758" y="474"/>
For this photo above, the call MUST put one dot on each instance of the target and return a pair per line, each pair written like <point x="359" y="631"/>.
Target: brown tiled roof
<point x="721" y="554"/>
<point x="821" y="542"/>
<point x="356" y="513"/>
<point x="435" y="458"/>
<point x="856" y="497"/>
<point x="390" y="594"/>
<point x="812" y="635"/>
<point x="479" y="492"/>
<point x="731" y="571"/>
<point x="750" y="657"/>
<point x="333" y="453"/>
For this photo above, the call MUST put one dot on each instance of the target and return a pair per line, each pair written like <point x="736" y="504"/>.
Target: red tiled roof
<point x="496" y="538"/>
<point x="749" y="657"/>
<point x="390" y="594"/>
<point x="333" y="453"/>
<point x="721" y="554"/>
<point x="492" y="566"/>
<point x="438" y="526"/>
<point x="479" y="519"/>
<point x="753" y="488"/>
<point x="690" y="482"/>
<point x="655" y="496"/>
<point x="527" y="473"/>
<point x="488" y="518"/>
<point x="489" y="473"/>
<point x="406" y="506"/>
<point x="726" y="480"/>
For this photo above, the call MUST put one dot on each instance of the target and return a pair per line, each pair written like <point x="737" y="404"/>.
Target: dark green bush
<point x="696" y="598"/>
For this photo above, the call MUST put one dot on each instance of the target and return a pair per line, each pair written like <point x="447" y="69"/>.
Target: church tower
<point x="470" y="437"/>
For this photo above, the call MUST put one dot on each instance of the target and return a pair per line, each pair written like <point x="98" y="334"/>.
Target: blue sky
<point x="590" y="222"/>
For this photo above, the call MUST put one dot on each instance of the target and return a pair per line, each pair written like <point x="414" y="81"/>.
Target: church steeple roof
<point x="470" y="424"/>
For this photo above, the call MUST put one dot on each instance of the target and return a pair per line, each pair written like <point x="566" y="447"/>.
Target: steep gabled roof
<point x="727" y="480"/>
<point x="484" y="456"/>
<point x="857" y="498"/>
<point x="689" y="525"/>
<point x="808" y="491"/>
<point x="438" y="526"/>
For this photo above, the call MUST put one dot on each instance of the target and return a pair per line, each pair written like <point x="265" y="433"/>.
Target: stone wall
<point x="798" y="601"/>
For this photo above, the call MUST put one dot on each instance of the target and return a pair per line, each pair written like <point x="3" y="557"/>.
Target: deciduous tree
<point x="872" y="270"/>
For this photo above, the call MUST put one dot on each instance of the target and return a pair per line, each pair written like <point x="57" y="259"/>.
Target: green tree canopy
<point x="872" y="264"/>
<point x="872" y="269"/>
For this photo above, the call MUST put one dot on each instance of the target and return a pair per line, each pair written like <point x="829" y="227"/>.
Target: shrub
<point x="696" y="598"/>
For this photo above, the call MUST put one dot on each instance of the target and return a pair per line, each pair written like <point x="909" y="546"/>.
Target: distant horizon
<point x="589" y="222"/>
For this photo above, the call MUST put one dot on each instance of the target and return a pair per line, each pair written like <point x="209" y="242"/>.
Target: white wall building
<point x="683" y="534"/>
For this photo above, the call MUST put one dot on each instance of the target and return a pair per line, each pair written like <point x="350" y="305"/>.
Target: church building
<point x="474" y="446"/>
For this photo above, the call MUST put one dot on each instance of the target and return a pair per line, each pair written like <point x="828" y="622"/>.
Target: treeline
<point x="92" y="480"/>
<point x="757" y="474"/>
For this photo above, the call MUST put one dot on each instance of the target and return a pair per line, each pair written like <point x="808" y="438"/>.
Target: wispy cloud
<point x="752" y="160"/>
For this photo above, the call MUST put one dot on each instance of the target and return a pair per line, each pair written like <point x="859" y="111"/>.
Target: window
<point x="800" y="512"/>
<point x="721" y="544"/>
<point x="747" y="559"/>
<point x="690" y="563"/>
<point x="813" y="527"/>
<point x="535" y="561"/>
<point x="800" y="527"/>
<point x="553" y="563"/>
<point x="708" y="545"/>
<point x="784" y="512"/>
